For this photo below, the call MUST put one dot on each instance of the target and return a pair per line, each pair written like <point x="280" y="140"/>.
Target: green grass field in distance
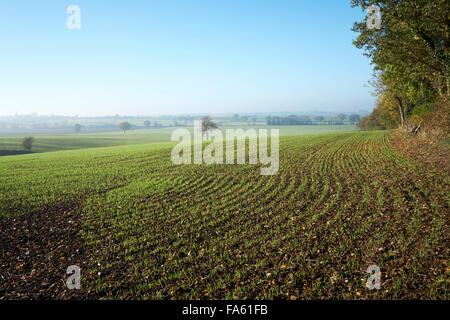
<point x="46" y="143"/>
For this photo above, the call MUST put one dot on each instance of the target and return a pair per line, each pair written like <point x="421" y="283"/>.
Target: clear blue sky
<point x="166" y="57"/>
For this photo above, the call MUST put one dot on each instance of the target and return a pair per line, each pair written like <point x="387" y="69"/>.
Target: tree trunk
<point x="401" y="111"/>
<point x="447" y="84"/>
<point x="416" y="130"/>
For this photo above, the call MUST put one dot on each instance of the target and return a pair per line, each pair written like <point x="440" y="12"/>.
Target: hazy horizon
<point x="157" y="58"/>
<point x="311" y="112"/>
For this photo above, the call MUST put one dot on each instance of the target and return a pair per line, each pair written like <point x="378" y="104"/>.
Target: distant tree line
<point x="294" y="120"/>
<point x="237" y="117"/>
<point x="155" y="124"/>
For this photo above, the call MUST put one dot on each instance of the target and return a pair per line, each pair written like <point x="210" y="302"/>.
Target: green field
<point x="142" y="227"/>
<point x="47" y="142"/>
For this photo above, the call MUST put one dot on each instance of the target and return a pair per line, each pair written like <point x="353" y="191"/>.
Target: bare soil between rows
<point x="36" y="250"/>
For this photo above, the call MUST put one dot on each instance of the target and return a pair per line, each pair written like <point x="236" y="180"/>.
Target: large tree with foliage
<point x="410" y="52"/>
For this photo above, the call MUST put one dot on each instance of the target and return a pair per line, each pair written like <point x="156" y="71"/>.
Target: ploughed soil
<point x="35" y="251"/>
<point x="431" y="153"/>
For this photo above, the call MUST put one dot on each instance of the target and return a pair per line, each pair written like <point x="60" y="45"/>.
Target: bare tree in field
<point x="207" y="125"/>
